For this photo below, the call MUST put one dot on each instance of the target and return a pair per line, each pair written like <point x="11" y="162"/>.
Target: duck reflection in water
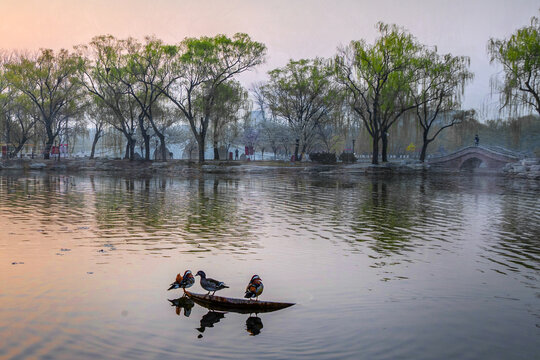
<point x="183" y="303"/>
<point x="254" y="325"/>
<point x="209" y="319"/>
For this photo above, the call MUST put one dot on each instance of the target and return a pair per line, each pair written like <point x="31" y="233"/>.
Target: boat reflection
<point x="183" y="302"/>
<point x="254" y="323"/>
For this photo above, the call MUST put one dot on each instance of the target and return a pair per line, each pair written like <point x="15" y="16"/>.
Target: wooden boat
<point x="236" y="305"/>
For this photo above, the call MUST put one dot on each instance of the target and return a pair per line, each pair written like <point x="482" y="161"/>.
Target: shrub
<point x="347" y="157"/>
<point x="323" y="157"/>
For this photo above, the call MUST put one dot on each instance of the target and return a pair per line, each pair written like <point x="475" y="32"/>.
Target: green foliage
<point x="302" y="94"/>
<point x="200" y="68"/>
<point x="378" y="78"/>
<point x="436" y="94"/>
<point x="520" y="58"/>
<point x="49" y="81"/>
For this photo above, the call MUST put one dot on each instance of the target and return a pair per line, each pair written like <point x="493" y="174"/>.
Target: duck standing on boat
<point x="209" y="284"/>
<point x="254" y="288"/>
<point x="188" y="280"/>
<point x="176" y="283"/>
<point x="183" y="282"/>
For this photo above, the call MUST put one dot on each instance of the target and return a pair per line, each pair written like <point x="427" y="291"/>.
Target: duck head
<point x="201" y="274"/>
<point x="188" y="274"/>
<point x="255" y="277"/>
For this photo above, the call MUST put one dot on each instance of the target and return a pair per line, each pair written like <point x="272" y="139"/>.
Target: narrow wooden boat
<point x="236" y="305"/>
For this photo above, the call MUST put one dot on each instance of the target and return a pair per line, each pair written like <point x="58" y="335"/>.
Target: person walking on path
<point x="476" y="140"/>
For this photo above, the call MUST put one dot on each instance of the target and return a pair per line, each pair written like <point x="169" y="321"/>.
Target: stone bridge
<point x="474" y="157"/>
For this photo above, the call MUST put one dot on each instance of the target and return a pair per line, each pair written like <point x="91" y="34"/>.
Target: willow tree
<point x="303" y="94"/>
<point x="7" y="94"/>
<point x="145" y="75"/>
<point x="437" y="93"/>
<point x="22" y="118"/>
<point x="377" y="78"/>
<point x="18" y="115"/>
<point x="103" y="58"/>
<point x="230" y="99"/>
<point x="50" y="82"/>
<point x="520" y="58"/>
<point x="200" y="68"/>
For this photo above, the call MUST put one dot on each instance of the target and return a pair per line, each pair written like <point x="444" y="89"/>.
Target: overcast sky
<point x="289" y="28"/>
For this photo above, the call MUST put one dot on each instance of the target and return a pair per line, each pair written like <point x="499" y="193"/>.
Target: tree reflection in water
<point x="386" y="216"/>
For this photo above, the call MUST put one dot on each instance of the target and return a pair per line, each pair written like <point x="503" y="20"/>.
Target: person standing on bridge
<point x="476" y="140"/>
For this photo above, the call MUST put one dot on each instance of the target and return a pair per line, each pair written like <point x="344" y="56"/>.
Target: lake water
<point x="401" y="268"/>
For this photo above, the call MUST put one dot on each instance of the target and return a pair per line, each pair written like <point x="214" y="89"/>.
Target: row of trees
<point x="143" y="90"/>
<point x="375" y="84"/>
<point x="135" y="87"/>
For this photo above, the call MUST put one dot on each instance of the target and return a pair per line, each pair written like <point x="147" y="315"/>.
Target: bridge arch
<point x="472" y="158"/>
<point x="472" y="162"/>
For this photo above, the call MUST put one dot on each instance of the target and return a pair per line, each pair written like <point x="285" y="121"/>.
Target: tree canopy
<point x="303" y="94"/>
<point x="519" y="56"/>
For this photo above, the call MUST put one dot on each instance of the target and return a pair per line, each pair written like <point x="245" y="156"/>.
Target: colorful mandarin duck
<point x="183" y="281"/>
<point x="254" y="288"/>
<point x="176" y="283"/>
<point x="210" y="284"/>
<point x="188" y="280"/>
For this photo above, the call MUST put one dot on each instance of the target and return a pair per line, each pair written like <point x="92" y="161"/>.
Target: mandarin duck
<point x="183" y="281"/>
<point x="209" y="284"/>
<point x="176" y="283"/>
<point x="187" y="280"/>
<point x="254" y="288"/>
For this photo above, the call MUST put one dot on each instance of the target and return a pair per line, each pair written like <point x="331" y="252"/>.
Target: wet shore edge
<point x="527" y="168"/>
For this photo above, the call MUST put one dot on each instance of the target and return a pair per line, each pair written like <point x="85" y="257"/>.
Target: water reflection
<point x="387" y="217"/>
<point x="393" y="218"/>
<point x="254" y="325"/>
<point x="458" y="243"/>
<point x="208" y="320"/>
<point x="184" y="303"/>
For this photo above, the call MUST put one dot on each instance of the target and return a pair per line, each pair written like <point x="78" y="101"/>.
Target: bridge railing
<point x="493" y="149"/>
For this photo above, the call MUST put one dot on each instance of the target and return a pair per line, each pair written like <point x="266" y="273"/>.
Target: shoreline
<point x="527" y="169"/>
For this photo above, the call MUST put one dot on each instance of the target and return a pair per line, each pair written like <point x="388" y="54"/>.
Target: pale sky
<point x="289" y="28"/>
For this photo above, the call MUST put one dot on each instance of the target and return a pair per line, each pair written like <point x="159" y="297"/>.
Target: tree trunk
<point x="296" y="146"/>
<point x="304" y="146"/>
<point x="424" y="147"/>
<point x="200" y="142"/>
<point x="20" y="146"/>
<point x="146" y="138"/>
<point x="50" y="138"/>
<point x="163" y="147"/>
<point x="47" y="151"/>
<point x="132" y="145"/>
<point x="384" y="139"/>
<point x="216" y="151"/>
<point x="97" y="135"/>
<point x="375" y="150"/>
